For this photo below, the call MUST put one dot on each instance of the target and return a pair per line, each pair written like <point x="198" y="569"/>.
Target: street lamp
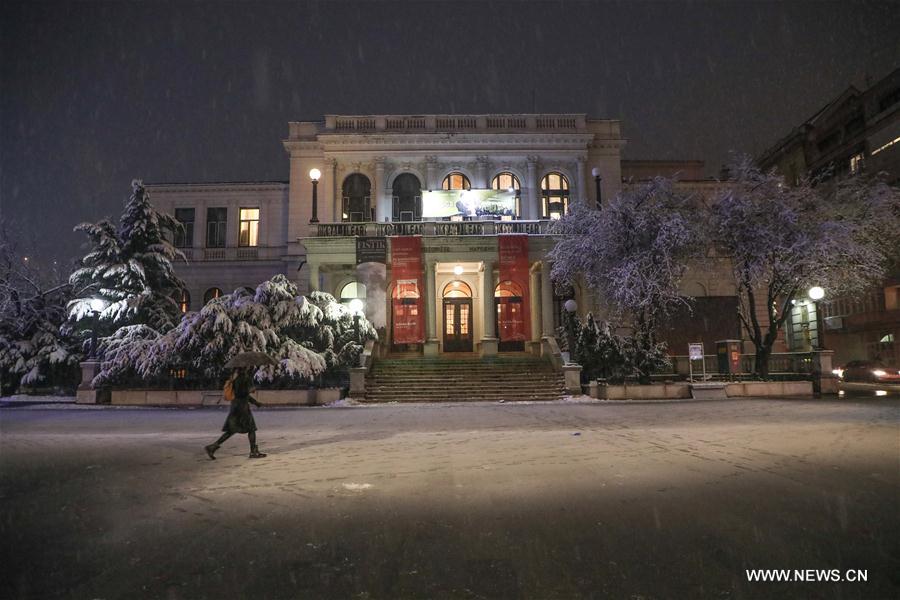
<point x="356" y="306"/>
<point x="815" y="294"/>
<point x="596" y="173"/>
<point x="571" y="306"/>
<point x="314" y="175"/>
<point x="97" y="305"/>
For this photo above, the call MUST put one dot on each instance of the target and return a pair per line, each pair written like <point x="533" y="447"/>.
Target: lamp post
<point x="597" y="179"/>
<point x="815" y="294"/>
<point x="571" y="306"/>
<point x="97" y="306"/>
<point x="314" y="175"/>
<point x="356" y="305"/>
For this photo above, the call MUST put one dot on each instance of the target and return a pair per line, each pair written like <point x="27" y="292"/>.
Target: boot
<point x="255" y="453"/>
<point x="211" y="450"/>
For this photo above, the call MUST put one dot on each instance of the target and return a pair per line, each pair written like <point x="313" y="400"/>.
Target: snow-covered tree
<point x="33" y="350"/>
<point x="308" y="338"/>
<point x="784" y="239"/>
<point x="130" y="269"/>
<point x="633" y="255"/>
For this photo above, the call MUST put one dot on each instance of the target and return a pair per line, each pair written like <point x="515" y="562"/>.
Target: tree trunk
<point x="763" y="353"/>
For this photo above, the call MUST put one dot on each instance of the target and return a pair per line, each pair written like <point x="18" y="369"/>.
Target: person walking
<point x="240" y="419"/>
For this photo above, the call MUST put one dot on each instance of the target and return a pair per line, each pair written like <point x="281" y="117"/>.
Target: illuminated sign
<point x="467" y="203"/>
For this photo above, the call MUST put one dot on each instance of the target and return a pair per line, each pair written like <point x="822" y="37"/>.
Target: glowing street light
<point x="314" y="175"/>
<point x="816" y="293"/>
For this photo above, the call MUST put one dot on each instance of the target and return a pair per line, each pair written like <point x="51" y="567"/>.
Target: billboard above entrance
<point x="439" y="204"/>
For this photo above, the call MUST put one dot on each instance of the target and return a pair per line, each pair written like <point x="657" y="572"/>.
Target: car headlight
<point x="838" y="372"/>
<point x="878" y="373"/>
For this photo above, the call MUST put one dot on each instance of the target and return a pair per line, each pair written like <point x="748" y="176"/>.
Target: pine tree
<point x="129" y="269"/>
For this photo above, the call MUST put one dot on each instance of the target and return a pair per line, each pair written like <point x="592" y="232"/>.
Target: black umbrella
<point x="250" y="359"/>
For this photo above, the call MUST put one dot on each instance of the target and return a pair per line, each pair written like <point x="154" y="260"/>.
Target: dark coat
<point x="240" y="419"/>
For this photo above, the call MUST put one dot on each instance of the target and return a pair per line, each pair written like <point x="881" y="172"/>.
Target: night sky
<point x="95" y="94"/>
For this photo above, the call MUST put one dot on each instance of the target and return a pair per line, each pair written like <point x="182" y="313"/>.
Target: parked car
<point x="868" y="371"/>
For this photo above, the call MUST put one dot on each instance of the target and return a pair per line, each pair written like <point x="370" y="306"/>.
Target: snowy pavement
<point x="563" y="500"/>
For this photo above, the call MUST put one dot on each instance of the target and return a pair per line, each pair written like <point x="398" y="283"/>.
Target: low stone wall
<point x="214" y="397"/>
<point x="769" y="388"/>
<point x="655" y="391"/>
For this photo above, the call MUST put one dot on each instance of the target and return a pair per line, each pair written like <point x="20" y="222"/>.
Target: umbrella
<point x="250" y="359"/>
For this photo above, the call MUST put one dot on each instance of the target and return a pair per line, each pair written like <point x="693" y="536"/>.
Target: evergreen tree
<point x="129" y="269"/>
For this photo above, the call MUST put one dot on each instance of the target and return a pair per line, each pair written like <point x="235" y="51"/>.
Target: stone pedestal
<point x="489" y="346"/>
<point x="824" y="381"/>
<point x="358" y="382"/>
<point x="431" y="348"/>
<point x="572" y="375"/>
<point x="86" y="394"/>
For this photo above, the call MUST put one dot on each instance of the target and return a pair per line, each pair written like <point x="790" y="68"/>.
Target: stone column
<point x="489" y="339"/>
<point x="580" y="195"/>
<point x="431" y="341"/>
<point x="336" y="195"/>
<point x="532" y="191"/>
<point x="534" y="298"/>
<point x="430" y="167"/>
<point x="546" y="302"/>
<point x="382" y="211"/>
<point x="481" y="172"/>
<point x="314" y="283"/>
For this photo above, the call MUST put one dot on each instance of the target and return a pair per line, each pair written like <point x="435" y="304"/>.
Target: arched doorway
<point x="407" y="191"/>
<point x="404" y="313"/>
<point x="510" y="316"/>
<point x="457" y="317"/>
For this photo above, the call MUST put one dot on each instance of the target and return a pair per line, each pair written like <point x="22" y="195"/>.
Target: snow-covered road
<point x="452" y="501"/>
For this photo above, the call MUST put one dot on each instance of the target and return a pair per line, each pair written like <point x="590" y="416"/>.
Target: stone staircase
<point x="510" y="378"/>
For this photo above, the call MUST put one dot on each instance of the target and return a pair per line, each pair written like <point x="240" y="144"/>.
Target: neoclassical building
<point x="435" y="226"/>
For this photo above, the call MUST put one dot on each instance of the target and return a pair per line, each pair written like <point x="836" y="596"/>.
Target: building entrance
<point x="457" y="317"/>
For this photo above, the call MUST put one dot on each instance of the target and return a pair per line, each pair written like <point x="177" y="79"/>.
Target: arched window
<point x="356" y="203"/>
<point x="211" y="294"/>
<point x="407" y="193"/>
<point x="508" y="181"/>
<point x="183" y="299"/>
<point x="353" y="291"/>
<point x="508" y="289"/>
<point x="457" y="289"/>
<point x="456" y="181"/>
<point x="554" y="196"/>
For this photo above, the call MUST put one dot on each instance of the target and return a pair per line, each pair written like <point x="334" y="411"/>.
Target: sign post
<point x="695" y="352"/>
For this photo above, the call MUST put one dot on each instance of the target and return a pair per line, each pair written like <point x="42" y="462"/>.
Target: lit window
<point x="508" y="181"/>
<point x="856" y="163"/>
<point x="184" y="301"/>
<point x="456" y="181"/>
<point x="554" y="196"/>
<point x="249" y="227"/>
<point x="887" y="338"/>
<point x="211" y="294"/>
<point x="353" y="291"/>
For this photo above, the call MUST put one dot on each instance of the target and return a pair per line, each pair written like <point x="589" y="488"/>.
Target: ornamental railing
<point x="430" y="228"/>
<point x="233" y="253"/>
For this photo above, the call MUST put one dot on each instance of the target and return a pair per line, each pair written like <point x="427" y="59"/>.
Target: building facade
<point x="856" y="133"/>
<point x="436" y="226"/>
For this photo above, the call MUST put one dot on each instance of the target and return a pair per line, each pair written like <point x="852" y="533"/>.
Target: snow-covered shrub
<point x="308" y="338"/>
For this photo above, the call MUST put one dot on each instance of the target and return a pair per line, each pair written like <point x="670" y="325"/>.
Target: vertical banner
<point x="513" y="303"/>
<point x="407" y="301"/>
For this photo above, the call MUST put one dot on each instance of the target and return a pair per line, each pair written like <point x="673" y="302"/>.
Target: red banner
<point x="512" y="296"/>
<point x="407" y="301"/>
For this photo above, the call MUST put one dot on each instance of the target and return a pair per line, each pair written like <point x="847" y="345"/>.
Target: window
<point x="554" y="196"/>
<point x="216" y="221"/>
<point x="407" y="191"/>
<point x="508" y="181"/>
<point x="356" y="202"/>
<point x="457" y="289"/>
<point x="249" y="232"/>
<point x="184" y="238"/>
<point x="456" y="181"/>
<point x="856" y="163"/>
<point x="353" y="291"/>
<point x="212" y="294"/>
<point x="183" y="299"/>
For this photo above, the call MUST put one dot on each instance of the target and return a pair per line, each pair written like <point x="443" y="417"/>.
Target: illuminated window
<point x="554" y="196"/>
<point x="183" y="299"/>
<point x="249" y="233"/>
<point x="508" y="181"/>
<point x="457" y="289"/>
<point x="212" y="294"/>
<point x="456" y="181"/>
<point x="353" y="291"/>
<point x="856" y="163"/>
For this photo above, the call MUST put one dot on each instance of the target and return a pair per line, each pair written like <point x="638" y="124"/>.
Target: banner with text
<point x="513" y="299"/>
<point x="407" y="300"/>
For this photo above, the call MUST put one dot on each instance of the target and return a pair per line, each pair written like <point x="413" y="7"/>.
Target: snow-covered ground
<point x="559" y="500"/>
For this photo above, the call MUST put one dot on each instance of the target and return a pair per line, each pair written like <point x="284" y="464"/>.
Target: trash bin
<point x="728" y="353"/>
